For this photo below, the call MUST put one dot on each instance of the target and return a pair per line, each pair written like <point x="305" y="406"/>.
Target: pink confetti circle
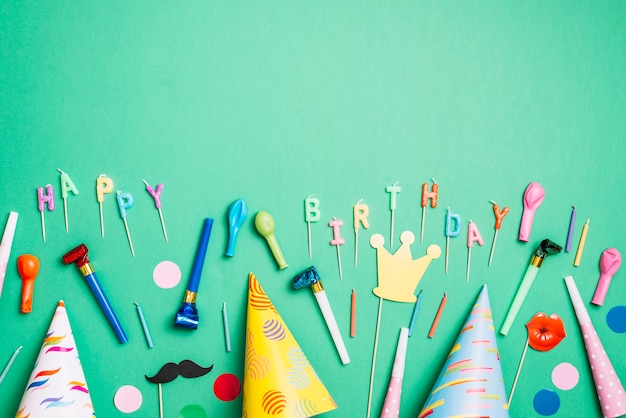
<point x="166" y="274"/>
<point x="127" y="399"/>
<point x="565" y="376"/>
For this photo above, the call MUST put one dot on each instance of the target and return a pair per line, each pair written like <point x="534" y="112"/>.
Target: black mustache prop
<point x="185" y="368"/>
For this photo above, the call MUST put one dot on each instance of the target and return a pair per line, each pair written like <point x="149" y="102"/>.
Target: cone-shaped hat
<point x="470" y="383"/>
<point x="57" y="384"/>
<point x="610" y="390"/>
<point x="278" y="379"/>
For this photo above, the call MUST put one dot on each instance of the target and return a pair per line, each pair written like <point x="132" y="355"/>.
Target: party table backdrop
<point x="271" y="102"/>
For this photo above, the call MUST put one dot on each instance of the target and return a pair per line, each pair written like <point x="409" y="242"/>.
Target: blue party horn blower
<point x="78" y="255"/>
<point x="187" y="315"/>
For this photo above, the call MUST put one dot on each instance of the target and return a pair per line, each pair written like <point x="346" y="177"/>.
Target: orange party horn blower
<point x="544" y="333"/>
<point x="470" y="383"/>
<point x="57" y="385"/>
<point x="28" y="268"/>
<point x="278" y="379"/>
<point x="398" y="276"/>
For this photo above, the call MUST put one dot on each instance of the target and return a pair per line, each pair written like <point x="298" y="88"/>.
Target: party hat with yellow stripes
<point x="278" y="379"/>
<point x="470" y="383"/>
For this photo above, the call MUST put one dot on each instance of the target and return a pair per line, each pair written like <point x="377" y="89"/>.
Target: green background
<point x="273" y="101"/>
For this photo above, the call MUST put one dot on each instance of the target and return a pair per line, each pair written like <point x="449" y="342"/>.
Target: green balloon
<point x="264" y="223"/>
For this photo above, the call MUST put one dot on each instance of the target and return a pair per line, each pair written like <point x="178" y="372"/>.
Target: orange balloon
<point x="28" y="268"/>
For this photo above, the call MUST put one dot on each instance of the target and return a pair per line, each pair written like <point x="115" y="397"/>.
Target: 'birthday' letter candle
<point x="361" y="211"/>
<point x="472" y="236"/>
<point x="311" y="214"/>
<point x="393" y="190"/>
<point x="451" y="219"/>
<point x="335" y="224"/>
<point x="500" y="214"/>
<point x="426" y="196"/>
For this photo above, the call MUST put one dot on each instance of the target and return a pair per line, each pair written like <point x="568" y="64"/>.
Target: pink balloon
<point x="533" y="198"/>
<point x="610" y="261"/>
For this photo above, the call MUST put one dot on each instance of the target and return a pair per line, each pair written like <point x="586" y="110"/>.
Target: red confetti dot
<point x="227" y="387"/>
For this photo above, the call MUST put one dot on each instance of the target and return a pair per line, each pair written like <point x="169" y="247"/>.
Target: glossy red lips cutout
<point x="545" y="332"/>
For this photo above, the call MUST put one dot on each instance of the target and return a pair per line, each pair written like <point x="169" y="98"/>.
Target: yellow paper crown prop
<point x="399" y="274"/>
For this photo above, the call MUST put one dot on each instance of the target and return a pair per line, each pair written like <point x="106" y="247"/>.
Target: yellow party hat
<point x="278" y="379"/>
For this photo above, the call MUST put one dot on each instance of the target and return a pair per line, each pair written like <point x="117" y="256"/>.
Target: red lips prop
<point x="545" y="332"/>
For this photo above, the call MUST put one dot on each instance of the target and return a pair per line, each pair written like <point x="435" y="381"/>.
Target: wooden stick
<point x="160" y="401"/>
<point x="519" y="369"/>
<point x="369" y="397"/>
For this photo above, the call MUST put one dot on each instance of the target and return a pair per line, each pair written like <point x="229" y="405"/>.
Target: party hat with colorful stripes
<point x="57" y="385"/>
<point x="470" y="383"/>
<point x="278" y="379"/>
